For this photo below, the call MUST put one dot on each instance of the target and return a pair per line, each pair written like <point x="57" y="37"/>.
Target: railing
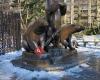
<point x="10" y="33"/>
<point x="93" y="38"/>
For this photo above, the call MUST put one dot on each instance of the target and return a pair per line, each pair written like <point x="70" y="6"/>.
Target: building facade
<point x="7" y="5"/>
<point x="85" y="12"/>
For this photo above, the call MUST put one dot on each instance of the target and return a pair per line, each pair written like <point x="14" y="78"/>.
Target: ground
<point x="83" y="66"/>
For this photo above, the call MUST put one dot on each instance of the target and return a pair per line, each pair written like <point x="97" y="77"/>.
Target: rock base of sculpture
<point x="32" y="62"/>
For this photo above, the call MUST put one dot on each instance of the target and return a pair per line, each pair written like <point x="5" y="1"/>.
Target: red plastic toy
<point x="39" y="51"/>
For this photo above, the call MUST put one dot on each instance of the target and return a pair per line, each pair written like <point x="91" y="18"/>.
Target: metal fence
<point x="10" y="32"/>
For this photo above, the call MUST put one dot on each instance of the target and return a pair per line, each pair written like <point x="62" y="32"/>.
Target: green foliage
<point x="92" y="31"/>
<point x="29" y="10"/>
<point x="32" y="9"/>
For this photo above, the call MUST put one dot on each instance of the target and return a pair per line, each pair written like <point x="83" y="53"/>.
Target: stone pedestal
<point x="30" y="61"/>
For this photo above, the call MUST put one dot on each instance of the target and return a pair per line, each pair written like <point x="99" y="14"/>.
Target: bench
<point x="93" y="38"/>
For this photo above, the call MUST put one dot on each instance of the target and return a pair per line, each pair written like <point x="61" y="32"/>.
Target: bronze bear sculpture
<point x="37" y="29"/>
<point x="54" y="6"/>
<point x="33" y="34"/>
<point x="64" y="35"/>
<point x="66" y="32"/>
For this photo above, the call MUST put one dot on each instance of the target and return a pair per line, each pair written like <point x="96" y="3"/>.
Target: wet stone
<point x="31" y="61"/>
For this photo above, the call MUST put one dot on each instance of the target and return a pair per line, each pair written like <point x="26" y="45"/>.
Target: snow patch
<point x="97" y="54"/>
<point x="74" y="71"/>
<point x="22" y="74"/>
<point x="57" y="73"/>
<point x="84" y="65"/>
<point x="11" y="55"/>
<point x="83" y="49"/>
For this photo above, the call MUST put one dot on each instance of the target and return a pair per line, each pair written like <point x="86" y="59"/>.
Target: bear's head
<point x="39" y="26"/>
<point x="76" y="28"/>
<point x="62" y="7"/>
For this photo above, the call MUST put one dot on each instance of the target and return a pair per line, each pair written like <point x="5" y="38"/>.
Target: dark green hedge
<point x="92" y="31"/>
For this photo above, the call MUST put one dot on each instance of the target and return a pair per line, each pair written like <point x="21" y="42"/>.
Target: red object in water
<point x="39" y="51"/>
